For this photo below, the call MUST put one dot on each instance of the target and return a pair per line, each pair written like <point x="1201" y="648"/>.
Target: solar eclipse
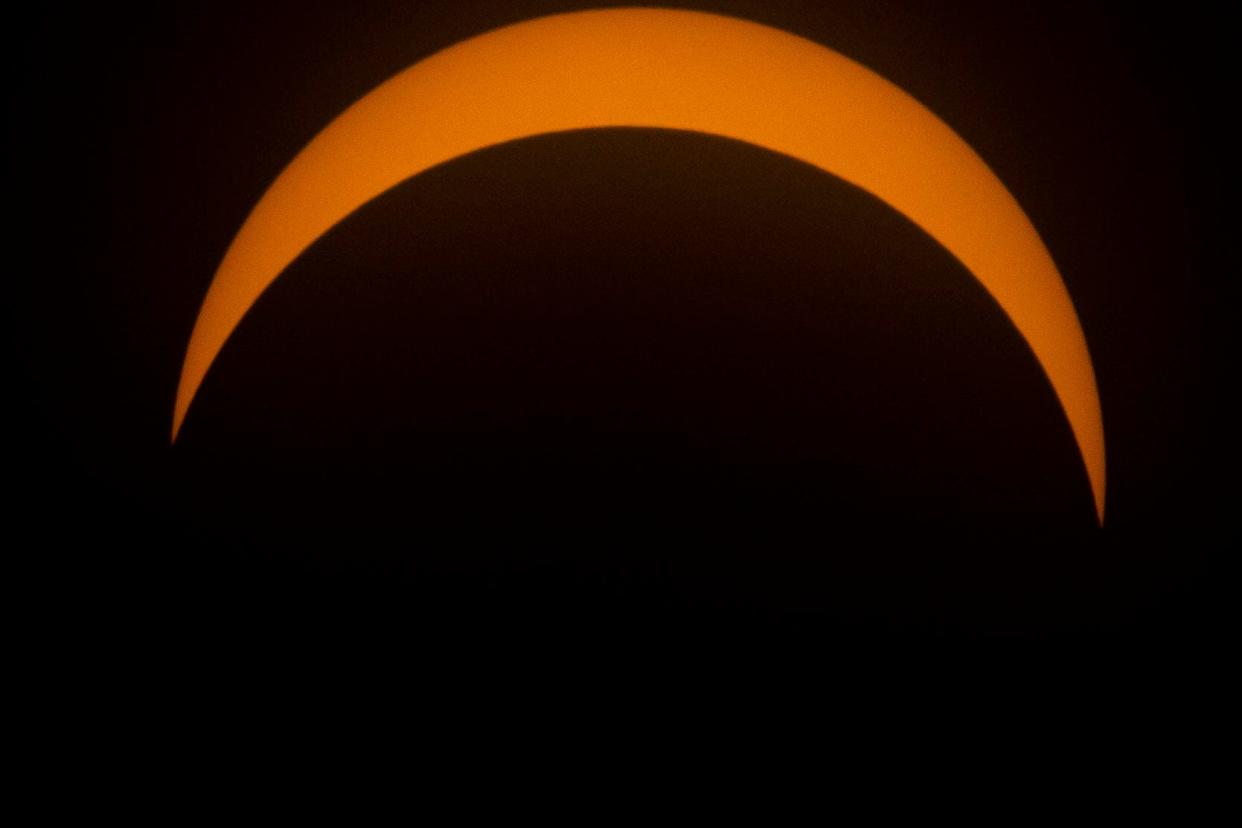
<point x="674" y="70"/>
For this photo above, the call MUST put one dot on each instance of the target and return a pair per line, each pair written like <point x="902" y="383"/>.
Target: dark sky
<point x="622" y="380"/>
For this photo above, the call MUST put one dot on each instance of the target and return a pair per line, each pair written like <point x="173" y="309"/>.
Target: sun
<point x="665" y="69"/>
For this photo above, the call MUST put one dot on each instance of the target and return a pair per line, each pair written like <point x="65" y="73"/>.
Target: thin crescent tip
<point x="178" y="419"/>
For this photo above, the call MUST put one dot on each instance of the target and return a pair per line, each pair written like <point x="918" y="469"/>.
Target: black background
<point x="618" y="388"/>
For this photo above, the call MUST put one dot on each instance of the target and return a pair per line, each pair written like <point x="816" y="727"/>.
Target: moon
<point x="665" y="69"/>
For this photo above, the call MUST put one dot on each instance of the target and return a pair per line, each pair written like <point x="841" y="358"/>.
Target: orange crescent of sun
<point x="665" y="69"/>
